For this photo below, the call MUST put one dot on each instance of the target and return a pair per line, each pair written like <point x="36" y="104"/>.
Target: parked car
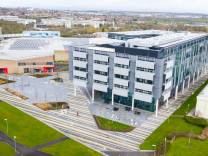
<point x="137" y="112"/>
<point x="115" y="108"/>
<point x="127" y="108"/>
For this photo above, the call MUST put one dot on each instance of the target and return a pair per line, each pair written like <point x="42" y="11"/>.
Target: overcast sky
<point x="195" y="6"/>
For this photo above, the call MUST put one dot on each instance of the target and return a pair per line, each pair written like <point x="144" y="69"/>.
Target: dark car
<point x="115" y="108"/>
<point x="137" y="112"/>
<point x="127" y="108"/>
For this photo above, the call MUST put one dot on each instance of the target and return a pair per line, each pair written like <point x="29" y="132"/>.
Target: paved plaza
<point x="83" y="127"/>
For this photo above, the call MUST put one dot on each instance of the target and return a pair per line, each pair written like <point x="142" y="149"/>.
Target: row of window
<point x="143" y="91"/>
<point x="145" y="69"/>
<point x="100" y="62"/>
<point x="80" y="69"/>
<point x="121" y="77"/>
<point x="101" y="82"/>
<point x="34" y="63"/>
<point x="101" y="73"/>
<point x="144" y="81"/>
<point x="121" y="66"/>
<point x="80" y="59"/>
<point x="120" y="86"/>
<point x="80" y="78"/>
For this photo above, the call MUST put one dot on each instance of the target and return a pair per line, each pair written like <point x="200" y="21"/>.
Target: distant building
<point x="139" y="69"/>
<point x="18" y="20"/>
<point x="45" y="34"/>
<point x="56" y="22"/>
<point x="202" y="104"/>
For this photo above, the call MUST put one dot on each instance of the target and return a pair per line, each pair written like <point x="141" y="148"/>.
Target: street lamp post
<point x="154" y="149"/>
<point x="7" y="126"/>
<point x="15" y="144"/>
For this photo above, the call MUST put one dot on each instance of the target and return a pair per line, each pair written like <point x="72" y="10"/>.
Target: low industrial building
<point x="142" y="69"/>
<point x="28" y="55"/>
<point x="202" y="104"/>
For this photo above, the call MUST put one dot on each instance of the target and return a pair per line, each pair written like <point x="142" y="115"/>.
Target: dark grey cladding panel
<point x="154" y="52"/>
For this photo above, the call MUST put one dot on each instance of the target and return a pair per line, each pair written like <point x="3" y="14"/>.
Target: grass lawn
<point x="175" y="124"/>
<point x="181" y="147"/>
<point x="65" y="148"/>
<point x="31" y="132"/>
<point x="6" y="150"/>
<point x="110" y="125"/>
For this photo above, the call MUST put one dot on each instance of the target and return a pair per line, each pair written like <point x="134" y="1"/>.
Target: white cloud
<point x="198" y="6"/>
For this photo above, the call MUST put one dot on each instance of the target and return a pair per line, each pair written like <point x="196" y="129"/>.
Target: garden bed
<point x="109" y="125"/>
<point x="40" y="75"/>
<point x="5" y="81"/>
<point x="13" y="92"/>
<point x="52" y="105"/>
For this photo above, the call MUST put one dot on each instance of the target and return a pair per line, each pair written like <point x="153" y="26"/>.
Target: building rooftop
<point x="25" y="48"/>
<point x="164" y="40"/>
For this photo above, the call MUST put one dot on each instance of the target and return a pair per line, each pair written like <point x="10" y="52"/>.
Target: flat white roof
<point x="25" y="48"/>
<point x="164" y="39"/>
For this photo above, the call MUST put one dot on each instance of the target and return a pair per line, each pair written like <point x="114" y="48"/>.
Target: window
<point x="80" y="59"/>
<point x="100" y="62"/>
<point x="80" y="78"/>
<point x="121" y="66"/>
<point x="121" y="77"/>
<point x="145" y="69"/>
<point x="144" y="81"/>
<point x="21" y="64"/>
<point x="100" y="73"/>
<point x="100" y="82"/>
<point x="80" y="69"/>
<point x="120" y="86"/>
<point x="143" y="91"/>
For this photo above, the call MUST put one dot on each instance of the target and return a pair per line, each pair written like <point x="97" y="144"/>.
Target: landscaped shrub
<point x="197" y="121"/>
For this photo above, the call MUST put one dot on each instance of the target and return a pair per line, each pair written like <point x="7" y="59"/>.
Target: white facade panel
<point x="121" y="71"/>
<point x="170" y="64"/>
<point x="143" y="86"/>
<point x="79" y="54"/>
<point x="100" y="67"/>
<point x="168" y="85"/>
<point x="81" y="64"/>
<point x="79" y="73"/>
<point x="166" y="95"/>
<point x="120" y="92"/>
<point x="143" y="97"/>
<point x="100" y="77"/>
<point x="121" y="82"/>
<point x="98" y="57"/>
<point x="120" y="60"/>
<point x="168" y="74"/>
<point x="100" y="87"/>
<point x="78" y="82"/>
<point x="145" y="64"/>
<point x="145" y="75"/>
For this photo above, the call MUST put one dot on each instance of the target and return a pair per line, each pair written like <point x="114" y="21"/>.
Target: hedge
<point x="197" y="121"/>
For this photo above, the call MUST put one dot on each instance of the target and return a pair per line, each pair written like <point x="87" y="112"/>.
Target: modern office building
<point x="143" y="70"/>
